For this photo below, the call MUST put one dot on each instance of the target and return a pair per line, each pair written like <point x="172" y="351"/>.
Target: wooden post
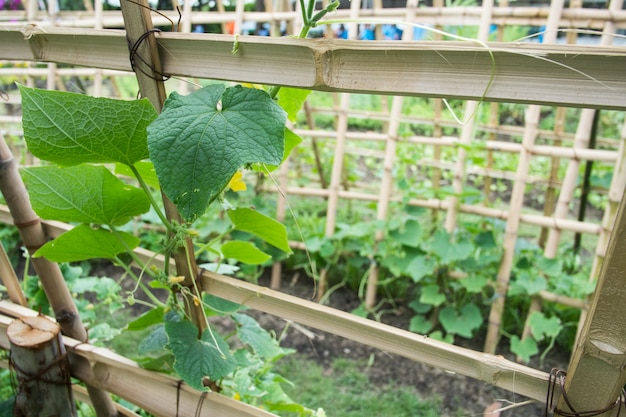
<point x="42" y="368"/>
<point x="33" y="235"/>
<point x="597" y="372"/>
<point x="149" y="75"/>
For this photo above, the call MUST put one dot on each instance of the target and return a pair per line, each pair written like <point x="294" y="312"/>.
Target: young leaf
<point x="431" y="295"/>
<point x="420" y="324"/>
<point x="292" y="100"/>
<point x="524" y="348"/>
<point x="83" y="194"/>
<point x="199" y="141"/>
<point x="147" y="319"/>
<point x="244" y="252"/>
<point x="541" y="326"/>
<point x="261" y="226"/>
<point x="197" y="358"/>
<point x="257" y="338"/>
<point x="82" y="243"/>
<point x="462" y="323"/>
<point x="69" y="129"/>
<point x="420" y="267"/>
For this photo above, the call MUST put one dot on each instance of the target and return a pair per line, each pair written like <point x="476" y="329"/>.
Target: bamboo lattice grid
<point x="324" y="65"/>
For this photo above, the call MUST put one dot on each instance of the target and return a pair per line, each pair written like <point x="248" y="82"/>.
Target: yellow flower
<point x="237" y="396"/>
<point x="196" y="300"/>
<point x="176" y="280"/>
<point x="236" y="183"/>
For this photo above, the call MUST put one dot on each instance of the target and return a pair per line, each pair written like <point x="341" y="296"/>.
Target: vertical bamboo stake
<point x="550" y="198"/>
<point x="437" y="128"/>
<point x="183" y="84"/>
<point x="240" y="8"/>
<point x="9" y="279"/>
<point x="52" y="280"/>
<point x="138" y="22"/>
<point x="335" y="179"/>
<point x="517" y="199"/>
<point x="386" y="186"/>
<point x="281" y="208"/>
<point x="43" y="374"/>
<point x="97" y="79"/>
<point x="467" y="132"/>
<point x="385" y="192"/>
<point x="596" y="374"/>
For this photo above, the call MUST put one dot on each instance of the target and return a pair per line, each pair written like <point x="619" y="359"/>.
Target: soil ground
<point x="459" y="395"/>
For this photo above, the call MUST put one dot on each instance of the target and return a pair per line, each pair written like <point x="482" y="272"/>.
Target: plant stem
<point x="141" y="285"/>
<point x="153" y="202"/>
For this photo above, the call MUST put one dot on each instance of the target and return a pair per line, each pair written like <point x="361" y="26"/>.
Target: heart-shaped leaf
<point x="83" y="194"/>
<point x="463" y="322"/>
<point x="69" y="128"/>
<point x="199" y="141"/>
<point x="244" y="252"/>
<point x="198" y="358"/>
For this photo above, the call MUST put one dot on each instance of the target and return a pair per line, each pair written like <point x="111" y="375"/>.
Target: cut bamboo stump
<point x="43" y="373"/>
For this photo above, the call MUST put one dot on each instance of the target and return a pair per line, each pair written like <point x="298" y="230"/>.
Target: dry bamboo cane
<point x="597" y="373"/>
<point x="33" y="236"/>
<point x="9" y="279"/>
<point x="281" y="208"/>
<point x="567" y="190"/>
<point x="386" y="186"/>
<point x="550" y="201"/>
<point x="149" y="76"/>
<point x="467" y="132"/>
<point x="517" y="199"/>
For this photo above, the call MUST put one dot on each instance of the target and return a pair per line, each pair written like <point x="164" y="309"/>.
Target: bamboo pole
<point x="517" y="200"/>
<point x="596" y="374"/>
<point x="281" y="209"/>
<point x="335" y="179"/>
<point x="550" y="200"/>
<point x="33" y="236"/>
<point x="42" y="368"/>
<point x="340" y="65"/>
<point x="467" y="131"/>
<point x="149" y="75"/>
<point x="160" y="395"/>
<point x="386" y="186"/>
<point x="9" y="279"/>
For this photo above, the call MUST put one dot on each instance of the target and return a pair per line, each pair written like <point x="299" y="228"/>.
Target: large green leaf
<point x="69" y="128"/>
<point x="261" y="226"/>
<point x="199" y="141"/>
<point x="198" y="358"/>
<point x="244" y="252"/>
<point x="83" y="194"/>
<point x="83" y="242"/>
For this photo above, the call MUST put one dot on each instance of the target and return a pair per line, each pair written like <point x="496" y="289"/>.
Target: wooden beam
<point x="572" y="76"/>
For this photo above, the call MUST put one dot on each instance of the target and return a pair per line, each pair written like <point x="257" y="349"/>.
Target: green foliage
<point x="200" y="141"/>
<point x="196" y="145"/>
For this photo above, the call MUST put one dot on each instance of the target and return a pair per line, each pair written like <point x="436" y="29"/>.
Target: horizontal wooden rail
<point x="467" y="16"/>
<point x="154" y="392"/>
<point x="572" y="76"/>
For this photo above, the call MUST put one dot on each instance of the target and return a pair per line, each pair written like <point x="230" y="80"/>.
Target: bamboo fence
<point x="537" y="75"/>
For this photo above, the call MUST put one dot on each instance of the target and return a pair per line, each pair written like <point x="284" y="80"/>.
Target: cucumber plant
<point x="193" y="151"/>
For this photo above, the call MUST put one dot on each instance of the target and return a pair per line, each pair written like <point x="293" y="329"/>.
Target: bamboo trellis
<point x="546" y="76"/>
